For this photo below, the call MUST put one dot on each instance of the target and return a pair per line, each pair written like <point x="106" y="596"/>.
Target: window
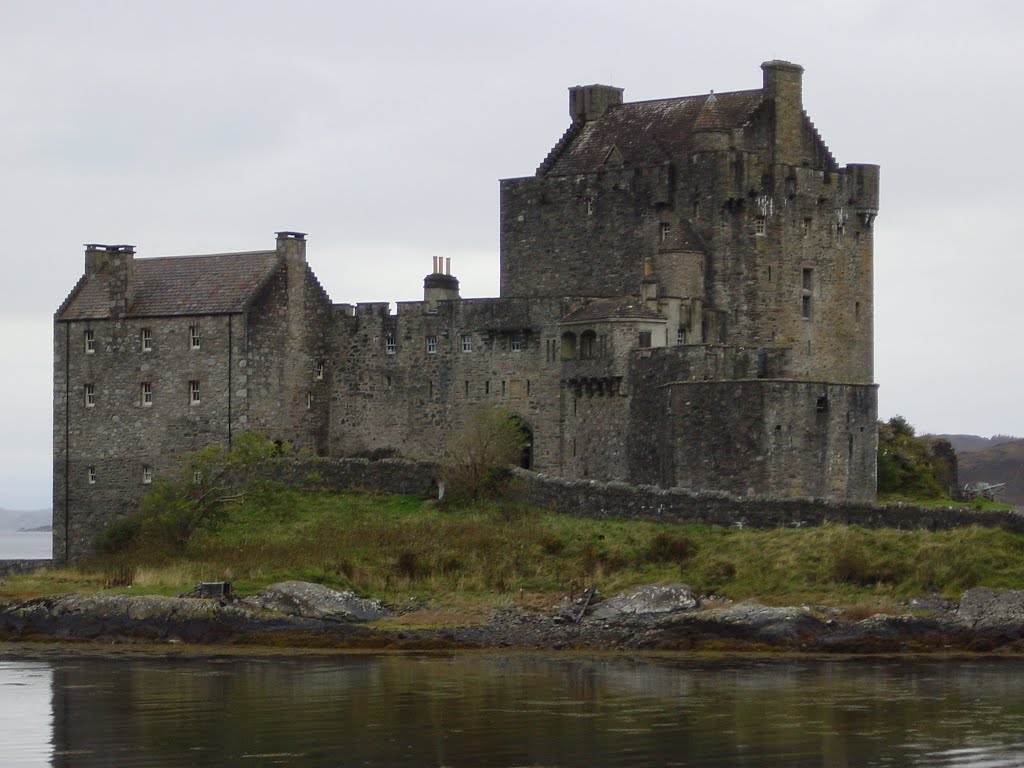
<point x="90" y="395"/>
<point x="590" y="206"/>
<point x="431" y="345"/>
<point x="309" y="401"/>
<point x="146" y="394"/>
<point x="193" y="335"/>
<point x="805" y="307"/>
<point x="807" y="283"/>
<point x="318" y="371"/>
<point x="390" y="345"/>
<point x="681" y="336"/>
<point x="588" y="344"/>
<point x="90" y="474"/>
<point x="645" y="339"/>
<point x="147" y="474"/>
<point x="193" y="392"/>
<point x="759" y="225"/>
<point x="805" y="228"/>
<point x="517" y="342"/>
<point x="807" y="275"/>
<point x="723" y="220"/>
<point x="197" y="475"/>
<point x="664" y="231"/>
<point x="467" y="343"/>
<point x="90" y="342"/>
<point x="146" y="338"/>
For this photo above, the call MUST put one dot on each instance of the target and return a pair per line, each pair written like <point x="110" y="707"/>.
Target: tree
<point x="479" y="456"/>
<point x="200" y="494"/>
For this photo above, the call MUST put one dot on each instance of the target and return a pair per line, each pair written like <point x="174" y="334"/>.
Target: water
<point x="79" y="709"/>
<point x="25" y="545"/>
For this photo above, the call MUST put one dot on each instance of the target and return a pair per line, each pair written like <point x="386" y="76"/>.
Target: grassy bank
<point x="467" y="559"/>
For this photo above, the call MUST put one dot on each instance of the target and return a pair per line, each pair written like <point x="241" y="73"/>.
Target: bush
<point x="479" y="456"/>
<point x="669" y="547"/>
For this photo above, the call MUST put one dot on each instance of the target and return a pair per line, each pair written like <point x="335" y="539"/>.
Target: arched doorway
<point x="526" y="457"/>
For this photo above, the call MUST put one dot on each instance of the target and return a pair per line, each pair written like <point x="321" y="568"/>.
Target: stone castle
<point x="686" y="300"/>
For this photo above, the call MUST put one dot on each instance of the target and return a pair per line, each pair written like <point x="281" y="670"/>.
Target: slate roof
<point x="618" y="308"/>
<point x="651" y="132"/>
<point x="180" y="285"/>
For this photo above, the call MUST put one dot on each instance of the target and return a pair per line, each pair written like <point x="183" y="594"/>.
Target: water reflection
<point x="512" y="710"/>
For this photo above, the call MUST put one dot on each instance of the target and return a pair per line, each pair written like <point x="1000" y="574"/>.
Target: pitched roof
<point x="618" y="308"/>
<point x="651" y="132"/>
<point x="180" y="285"/>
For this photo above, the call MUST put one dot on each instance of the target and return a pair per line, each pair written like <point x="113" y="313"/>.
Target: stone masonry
<point x="686" y="301"/>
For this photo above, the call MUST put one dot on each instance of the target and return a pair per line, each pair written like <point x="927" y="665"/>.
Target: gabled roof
<point x="617" y="308"/>
<point x="180" y="285"/>
<point x="651" y="132"/>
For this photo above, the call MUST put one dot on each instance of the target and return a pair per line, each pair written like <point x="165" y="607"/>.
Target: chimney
<point x="590" y="102"/>
<point x="292" y="245"/>
<point x="440" y="284"/>
<point x="783" y="85"/>
<point x="113" y="264"/>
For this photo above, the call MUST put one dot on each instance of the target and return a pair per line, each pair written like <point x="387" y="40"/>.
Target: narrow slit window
<point x="90" y="475"/>
<point x="309" y="401"/>
<point x="90" y="342"/>
<point x="805" y="307"/>
<point x="318" y="372"/>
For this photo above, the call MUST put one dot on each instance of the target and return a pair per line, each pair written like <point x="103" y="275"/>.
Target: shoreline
<point x="986" y="622"/>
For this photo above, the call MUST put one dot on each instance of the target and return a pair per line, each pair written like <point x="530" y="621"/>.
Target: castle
<point x="686" y="300"/>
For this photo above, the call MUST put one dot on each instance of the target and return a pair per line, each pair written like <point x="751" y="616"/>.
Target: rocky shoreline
<point x="656" y="618"/>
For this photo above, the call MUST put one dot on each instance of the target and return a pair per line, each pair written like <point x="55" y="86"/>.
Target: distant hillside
<point x="16" y="520"/>
<point x="970" y="443"/>
<point x="999" y="463"/>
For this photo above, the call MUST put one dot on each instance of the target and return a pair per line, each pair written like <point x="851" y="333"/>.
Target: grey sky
<point x="381" y="129"/>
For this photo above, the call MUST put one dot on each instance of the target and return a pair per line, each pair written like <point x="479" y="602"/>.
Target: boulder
<point x="985" y="607"/>
<point x="315" y="601"/>
<point x="652" y="599"/>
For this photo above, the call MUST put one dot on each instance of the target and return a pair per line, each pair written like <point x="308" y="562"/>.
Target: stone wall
<point x="620" y="501"/>
<point x="17" y="567"/>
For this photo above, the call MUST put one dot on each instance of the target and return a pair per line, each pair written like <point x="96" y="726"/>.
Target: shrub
<point x="669" y="547"/>
<point x="478" y="458"/>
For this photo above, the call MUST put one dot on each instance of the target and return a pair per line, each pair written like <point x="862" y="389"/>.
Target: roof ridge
<point x="204" y="255"/>
<point x="684" y="98"/>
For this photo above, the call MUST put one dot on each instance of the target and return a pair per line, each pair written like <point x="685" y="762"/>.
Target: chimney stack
<point x="113" y="264"/>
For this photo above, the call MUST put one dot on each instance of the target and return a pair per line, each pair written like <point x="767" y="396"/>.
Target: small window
<point x="90" y="342"/>
<point x="390" y="345"/>
<point x="147" y="474"/>
<point x="146" y="394"/>
<point x="805" y="227"/>
<point x="644" y="339"/>
<point x="517" y="342"/>
<point x="588" y="344"/>
<point x="760" y="225"/>
<point x="197" y="475"/>
<point x="90" y="474"/>
<point x="856" y="311"/>
<point x="681" y="336"/>
<point x="318" y="371"/>
<point x="193" y="392"/>
<point x="808" y="275"/>
<point x="146" y="340"/>
<point x="467" y="343"/>
<point x="664" y="231"/>
<point x="431" y="345"/>
<point x="805" y="307"/>
<point x="309" y="401"/>
<point x="193" y="335"/>
<point x="90" y="395"/>
<point x="839" y="231"/>
<point x="590" y="206"/>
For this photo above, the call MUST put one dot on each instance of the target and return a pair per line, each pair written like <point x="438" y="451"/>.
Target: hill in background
<point x="1002" y="462"/>
<point x="17" y="520"/>
<point x="971" y="443"/>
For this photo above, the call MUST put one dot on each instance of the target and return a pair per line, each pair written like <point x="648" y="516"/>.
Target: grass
<point x="457" y="564"/>
<point x="979" y="504"/>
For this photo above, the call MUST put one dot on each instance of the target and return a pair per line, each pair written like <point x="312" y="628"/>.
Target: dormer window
<point x="90" y="342"/>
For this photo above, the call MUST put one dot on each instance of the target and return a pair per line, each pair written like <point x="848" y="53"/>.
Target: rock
<point x="315" y="601"/>
<point x="985" y="607"/>
<point x="654" y="598"/>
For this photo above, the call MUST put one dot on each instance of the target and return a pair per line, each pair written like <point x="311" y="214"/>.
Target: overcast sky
<point x="381" y="129"/>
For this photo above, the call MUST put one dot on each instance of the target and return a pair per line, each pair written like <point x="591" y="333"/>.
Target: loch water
<point x="81" y="709"/>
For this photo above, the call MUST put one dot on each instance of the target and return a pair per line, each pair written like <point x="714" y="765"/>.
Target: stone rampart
<point x="16" y="567"/>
